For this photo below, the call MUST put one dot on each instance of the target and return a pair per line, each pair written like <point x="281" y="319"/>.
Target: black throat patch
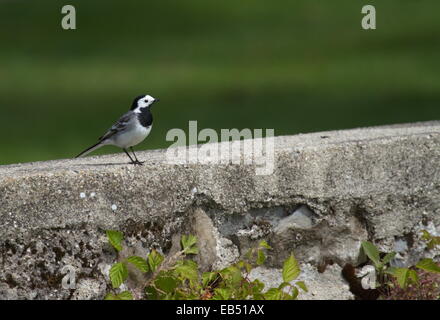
<point x="145" y="117"/>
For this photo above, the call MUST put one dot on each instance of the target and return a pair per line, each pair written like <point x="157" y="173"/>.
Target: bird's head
<point x="143" y="101"/>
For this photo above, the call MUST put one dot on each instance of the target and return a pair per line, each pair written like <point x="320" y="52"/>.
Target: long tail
<point x="90" y="149"/>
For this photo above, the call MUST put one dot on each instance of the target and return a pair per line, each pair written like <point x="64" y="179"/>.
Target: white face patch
<point x="144" y="102"/>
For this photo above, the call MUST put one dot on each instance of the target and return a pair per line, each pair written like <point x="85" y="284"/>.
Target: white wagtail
<point x="132" y="128"/>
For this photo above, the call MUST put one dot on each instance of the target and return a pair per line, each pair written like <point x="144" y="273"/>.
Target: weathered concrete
<point x="329" y="191"/>
<point x="328" y="285"/>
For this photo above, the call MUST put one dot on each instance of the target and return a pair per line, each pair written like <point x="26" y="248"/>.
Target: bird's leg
<point x="137" y="161"/>
<point x="132" y="161"/>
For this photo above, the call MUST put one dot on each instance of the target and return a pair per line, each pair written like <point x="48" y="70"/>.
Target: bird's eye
<point x="146" y="101"/>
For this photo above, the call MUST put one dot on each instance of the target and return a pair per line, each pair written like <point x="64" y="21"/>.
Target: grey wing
<point x="119" y="126"/>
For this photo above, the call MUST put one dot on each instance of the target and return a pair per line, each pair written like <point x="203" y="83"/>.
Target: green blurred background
<point x="295" y="66"/>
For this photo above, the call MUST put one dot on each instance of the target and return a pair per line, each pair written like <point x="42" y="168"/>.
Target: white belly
<point x="132" y="137"/>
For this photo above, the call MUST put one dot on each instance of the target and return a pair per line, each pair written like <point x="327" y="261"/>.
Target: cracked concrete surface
<point x="329" y="191"/>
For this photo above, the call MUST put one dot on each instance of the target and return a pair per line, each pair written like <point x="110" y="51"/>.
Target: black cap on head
<point x="135" y="101"/>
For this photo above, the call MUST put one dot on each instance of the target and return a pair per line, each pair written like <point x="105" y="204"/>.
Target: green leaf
<point x="391" y="270"/>
<point x="432" y="240"/>
<point x="372" y="253"/>
<point x="413" y="277"/>
<point x="402" y="275"/>
<point x="139" y="263"/>
<point x="264" y="244"/>
<point x="187" y="269"/>
<point x="258" y="296"/>
<point x="244" y="265"/>
<point x="151" y="293"/>
<point x="426" y="235"/>
<point x="188" y="241"/>
<point x="111" y="296"/>
<point x="118" y="274"/>
<point x="189" y="244"/>
<point x="125" y="295"/>
<point x="244" y="291"/>
<point x="222" y="293"/>
<point x="192" y="250"/>
<point x="428" y="265"/>
<point x="295" y="292"/>
<point x="260" y="257"/>
<point x="154" y="260"/>
<point x="291" y="269"/>
<point x="115" y="238"/>
<point x="273" y="294"/>
<point x="283" y="285"/>
<point x="166" y="283"/>
<point x="302" y="285"/>
<point x="232" y="276"/>
<point x="209" y="277"/>
<point x="257" y="287"/>
<point x="388" y="257"/>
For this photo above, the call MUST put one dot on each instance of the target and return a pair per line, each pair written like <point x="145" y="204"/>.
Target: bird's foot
<point x="137" y="162"/>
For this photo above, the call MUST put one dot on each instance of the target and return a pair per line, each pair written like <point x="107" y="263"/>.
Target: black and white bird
<point x="131" y="129"/>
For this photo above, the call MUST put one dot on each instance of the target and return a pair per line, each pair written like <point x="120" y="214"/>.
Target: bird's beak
<point x="156" y="100"/>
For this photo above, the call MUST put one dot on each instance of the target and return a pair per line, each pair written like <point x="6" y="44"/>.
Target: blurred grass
<point x="295" y="66"/>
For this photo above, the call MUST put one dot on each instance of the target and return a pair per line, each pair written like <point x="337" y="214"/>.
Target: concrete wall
<point x="329" y="191"/>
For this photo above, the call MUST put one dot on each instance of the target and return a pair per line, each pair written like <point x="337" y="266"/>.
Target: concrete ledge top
<point x="295" y="142"/>
<point x="348" y="165"/>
